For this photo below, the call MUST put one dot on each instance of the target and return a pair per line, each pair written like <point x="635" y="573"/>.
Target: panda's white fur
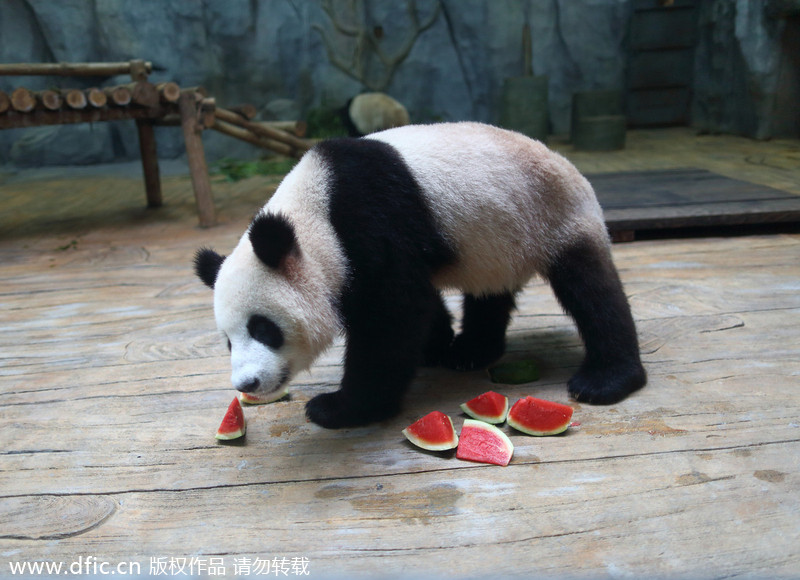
<point x="485" y="204"/>
<point x="371" y="112"/>
<point x="503" y="208"/>
<point x="300" y="298"/>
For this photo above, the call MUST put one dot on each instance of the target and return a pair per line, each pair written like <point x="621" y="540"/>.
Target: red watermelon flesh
<point x="233" y="424"/>
<point x="484" y="443"/>
<point x="539" y="417"/>
<point x="490" y="407"/>
<point x="433" y="432"/>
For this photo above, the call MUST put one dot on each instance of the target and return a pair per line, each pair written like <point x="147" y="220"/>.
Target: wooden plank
<point x="39" y="117"/>
<point x="196" y="157"/>
<point x="149" y="154"/>
<point x="688" y="197"/>
<point x="71" y="69"/>
<point x="113" y="380"/>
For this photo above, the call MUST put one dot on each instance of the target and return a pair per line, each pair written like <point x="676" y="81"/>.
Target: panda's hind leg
<point x="482" y="339"/>
<point x="586" y="283"/>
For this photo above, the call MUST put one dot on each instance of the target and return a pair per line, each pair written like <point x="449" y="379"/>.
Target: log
<point x="149" y="155"/>
<point x="245" y="135"/>
<point x="196" y="158"/>
<point x="296" y="128"/>
<point x="96" y="98"/>
<point x="5" y="102"/>
<point x="144" y="94"/>
<point x="298" y="145"/>
<point x="50" y="99"/>
<point x="196" y="90"/>
<point x="138" y="70"/>
<point x="75" y="98"/>
<point x="169" y="92"/>
<point x="246" y="111"/>
<point x="67" y="69"/>
<point x="39" y="117"/>
<point x="119" y="95"/>
<point x="206" y="112"/>
<point x="23" y="100"/>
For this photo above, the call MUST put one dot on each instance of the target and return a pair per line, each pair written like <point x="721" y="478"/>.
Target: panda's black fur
<point x="389" y="305"/>
<point x="393" y="316"/>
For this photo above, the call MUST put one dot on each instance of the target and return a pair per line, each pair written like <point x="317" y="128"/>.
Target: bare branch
<point x="365" y="42"/>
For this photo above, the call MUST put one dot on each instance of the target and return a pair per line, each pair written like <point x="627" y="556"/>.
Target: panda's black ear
<point x="207" y="264"/>
<point x="273" y="239"/>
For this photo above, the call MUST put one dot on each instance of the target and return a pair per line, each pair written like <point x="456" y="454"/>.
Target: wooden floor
<point x="113" y="381"/>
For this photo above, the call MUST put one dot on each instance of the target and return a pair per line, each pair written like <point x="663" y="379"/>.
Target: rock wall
<point x="263" y="51"/>
<point x="746" y="68"/>
<point x="282" y="56"/>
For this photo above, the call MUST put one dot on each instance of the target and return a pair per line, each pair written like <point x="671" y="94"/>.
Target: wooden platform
<point x="681" y="198"/>
<point x="113" y="381"/>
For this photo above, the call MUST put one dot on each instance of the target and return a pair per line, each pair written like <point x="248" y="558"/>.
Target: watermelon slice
<point x="514" y="373"/>
<point x="251" y="399"/>
<point x="484" y="443"/>
<point x="433" y="432"/>
<point x="489" y="407"/>
<point x="539" y="417"/>
<point x="233" y="424"/>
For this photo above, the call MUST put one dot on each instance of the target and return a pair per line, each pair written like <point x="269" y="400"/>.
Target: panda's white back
<point x="506" y="203"/>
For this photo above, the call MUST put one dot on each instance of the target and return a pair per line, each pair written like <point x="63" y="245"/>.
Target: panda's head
<point x="265" y="306"/>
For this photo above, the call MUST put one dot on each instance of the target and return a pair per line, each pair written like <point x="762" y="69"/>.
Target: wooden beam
<point x="96" y="98"/>
<point x="168" y="92"/>
<point x="119" y="95"/>
<point x="247" y="136"/>
<point x="5" y="102"/>
<point x="138" y="70"/>
<point x="23" y="100"/>
<point x="144" y="94"/>
<point x="296" y="128"/>
<point x="149" y="155"/>
<point x="71" y="69"/>
<point x="75" y="98"/>
<point x="39" y="117"/>
<point x="196" y="158"/>
<point x="298" y="146"/>
<point x="50" y="100"/>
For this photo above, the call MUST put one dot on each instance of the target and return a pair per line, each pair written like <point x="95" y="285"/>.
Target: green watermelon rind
<point x="515" y="372"/>
<point x="516" y="424"/>
<point x="494" y="420"/>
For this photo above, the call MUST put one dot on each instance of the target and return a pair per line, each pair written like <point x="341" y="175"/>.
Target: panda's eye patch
<point x="265" y="331"/>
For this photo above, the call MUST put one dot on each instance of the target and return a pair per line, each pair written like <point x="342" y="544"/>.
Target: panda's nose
<point x="249" y="386"/>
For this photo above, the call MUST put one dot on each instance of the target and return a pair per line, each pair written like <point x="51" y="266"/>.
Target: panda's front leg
<point x="387" y="331"/>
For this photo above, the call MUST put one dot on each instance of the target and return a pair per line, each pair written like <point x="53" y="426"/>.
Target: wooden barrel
<point x="598" y="122"/>
<point x="600" y="133"/>
<point x="524" y="106"/>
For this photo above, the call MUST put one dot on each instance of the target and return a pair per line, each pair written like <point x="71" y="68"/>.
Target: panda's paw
<point x="468" y="354"/>
<point x="336" y="411"/>
<point x="606" y="385"/>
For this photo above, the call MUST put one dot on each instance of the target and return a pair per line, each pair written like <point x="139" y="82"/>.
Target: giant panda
<point x="363" y="235"/>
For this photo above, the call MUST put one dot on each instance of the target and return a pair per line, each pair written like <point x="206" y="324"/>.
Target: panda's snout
<point x="249" y="386"/>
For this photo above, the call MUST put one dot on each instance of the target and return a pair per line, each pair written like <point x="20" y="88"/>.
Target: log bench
<point x="140" y="100"/>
